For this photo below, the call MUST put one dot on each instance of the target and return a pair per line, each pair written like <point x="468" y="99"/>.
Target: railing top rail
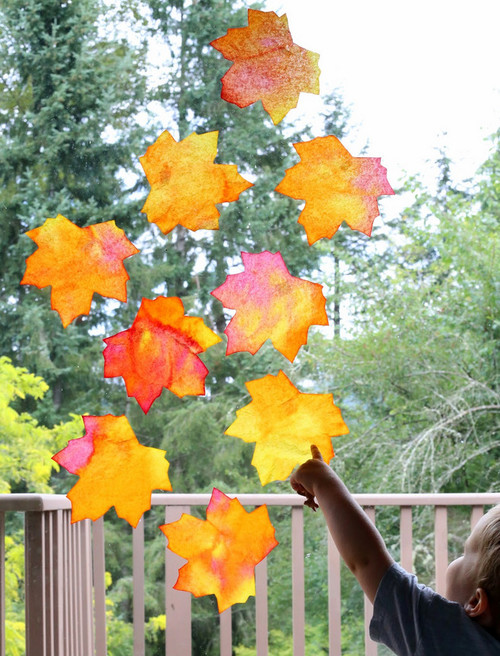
<point x="437" y="499"/>
<point x="41" y="502"/>
<point x="245" y="499"/>
<point x="34" y="502"/>
<point x="429" y="499"/>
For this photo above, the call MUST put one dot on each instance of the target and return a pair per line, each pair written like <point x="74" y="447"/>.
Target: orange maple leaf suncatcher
<point x="222" y="551"/>
<point x="284" y="423"/>
<point x="78" y="262"/>
<point x="114" y="470"/>
<point x="185" y="183"/>
<point x="335" y="186"/>
<point x="267" y="66"/>
<point x="270" y="303"/>
<point x="160" y="350"/>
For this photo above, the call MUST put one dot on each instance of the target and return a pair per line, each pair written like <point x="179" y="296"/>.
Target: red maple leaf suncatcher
<point x="160" y="350"/>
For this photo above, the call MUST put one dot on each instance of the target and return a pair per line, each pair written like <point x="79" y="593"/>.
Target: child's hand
<point x="304" y="479"/>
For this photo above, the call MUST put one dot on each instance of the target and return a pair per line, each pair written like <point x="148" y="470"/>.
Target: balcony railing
<point x="65" y="592"/>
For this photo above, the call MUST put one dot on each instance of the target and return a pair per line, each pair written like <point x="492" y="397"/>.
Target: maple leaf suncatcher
<point x="114" y="470"/>
<point x="268" y="65"/>
<point x="284" y="423"/>
<point x="185" y="183"/>
<point x="335" y="186"/>
<point x="270" y="303"/>
<point x="78" y="262"/>
<point x="222" y="551"/>
<point x="160" y="350"/>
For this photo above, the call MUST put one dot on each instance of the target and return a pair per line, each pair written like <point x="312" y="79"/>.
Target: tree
<point x="418" y="383"/>
<point x="67" y="132"/>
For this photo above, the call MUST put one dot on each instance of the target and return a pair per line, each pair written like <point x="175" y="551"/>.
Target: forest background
<point x="411" y="354"/>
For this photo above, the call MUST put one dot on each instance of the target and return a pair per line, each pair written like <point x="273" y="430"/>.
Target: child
<point x="408" y="617"/>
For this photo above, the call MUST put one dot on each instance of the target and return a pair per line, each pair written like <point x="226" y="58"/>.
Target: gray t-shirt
<point x="413" y="620"/>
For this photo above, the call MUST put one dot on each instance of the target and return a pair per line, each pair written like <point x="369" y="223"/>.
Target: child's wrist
<point x="323" y="485"/>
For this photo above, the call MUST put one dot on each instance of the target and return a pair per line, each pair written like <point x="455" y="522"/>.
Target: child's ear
<point x="478" y="605"/>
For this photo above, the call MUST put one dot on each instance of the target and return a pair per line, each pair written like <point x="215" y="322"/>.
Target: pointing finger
<point x="315" y="452"/>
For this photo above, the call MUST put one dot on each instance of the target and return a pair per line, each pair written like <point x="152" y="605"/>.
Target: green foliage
<point x="27" y="447"/>
<point x="418" y="379"/>
<point x="119" y="631"/>
<point x="155" y="634"/>
<point x="281" y="644"/>
<point x="14" y="599"/>
<point x="119" y="635"/>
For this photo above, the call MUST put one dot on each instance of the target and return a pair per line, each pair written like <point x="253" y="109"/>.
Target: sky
<point x="418" y="75"/>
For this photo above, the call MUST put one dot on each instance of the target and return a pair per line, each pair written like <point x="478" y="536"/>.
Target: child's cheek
<point x="453" y="580"/>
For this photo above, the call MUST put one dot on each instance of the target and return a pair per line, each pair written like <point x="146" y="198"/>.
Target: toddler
<point x="410" y="618"/>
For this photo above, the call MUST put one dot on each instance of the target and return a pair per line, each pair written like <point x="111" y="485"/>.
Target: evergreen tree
<point x="67" y="133"/>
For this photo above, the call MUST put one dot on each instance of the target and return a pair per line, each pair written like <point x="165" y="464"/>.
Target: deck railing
<point x="65" y="592"/>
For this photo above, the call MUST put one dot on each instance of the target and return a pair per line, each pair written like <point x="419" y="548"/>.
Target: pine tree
<point x="67" y="132"/>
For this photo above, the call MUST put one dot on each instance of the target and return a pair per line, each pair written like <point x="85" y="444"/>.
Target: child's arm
<point x="356" y="538"/>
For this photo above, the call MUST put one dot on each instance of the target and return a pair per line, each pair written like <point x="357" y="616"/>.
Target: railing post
<point x="57" y="580"/>
<point x="441" y="547"/>
<point x="406" y="538"/>
<point x="34" y="545"/>
<point x="261" y="609"/>
<point x="476" y="513"/>
<point x="99" y="587"/>
<point x="226" y="632"/>
<point x="138" y="585"/>
<point x="334" y="605"/>
<point x="177" y="602"/>
<point x="370" y="646"/>
<point x="298" y="587"/>
<point x="86" y="574"/>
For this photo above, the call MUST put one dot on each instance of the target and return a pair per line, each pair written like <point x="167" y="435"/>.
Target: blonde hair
<point x="489" y="560"/>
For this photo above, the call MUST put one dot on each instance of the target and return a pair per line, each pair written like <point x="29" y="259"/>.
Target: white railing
<point x="65" y="593"/>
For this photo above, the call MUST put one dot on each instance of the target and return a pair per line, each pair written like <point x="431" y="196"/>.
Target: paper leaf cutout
<point x="160" y="350"/>
<point x="267" y="66"/>
<point x="186" y="184"/>
<point x="222" y="551"/>
<point x="336" y="187"/>
<point x="270" y="303"/>
<point x="77" y="262"/>
<point x="284" y="423"/>
<point x="114" y="470"/>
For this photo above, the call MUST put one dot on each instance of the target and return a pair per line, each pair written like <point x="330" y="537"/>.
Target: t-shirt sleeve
<point x="399" y="609"/>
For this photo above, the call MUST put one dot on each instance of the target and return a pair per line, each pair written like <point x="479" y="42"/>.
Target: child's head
<point x="474" y="579"/>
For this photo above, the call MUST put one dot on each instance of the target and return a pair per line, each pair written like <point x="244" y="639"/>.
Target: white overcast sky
<point x="412" y="71"/>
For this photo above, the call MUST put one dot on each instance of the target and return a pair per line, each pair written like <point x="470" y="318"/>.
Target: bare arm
<point x="358" y="541"/>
